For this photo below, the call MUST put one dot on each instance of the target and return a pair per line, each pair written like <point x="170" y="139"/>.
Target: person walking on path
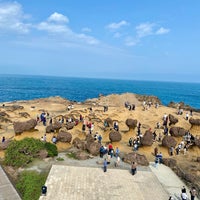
<point x="134" y="168"/>
<point x="184" y="194"/>
<point x="193" y="193"/>
<point x="105" y="165"/>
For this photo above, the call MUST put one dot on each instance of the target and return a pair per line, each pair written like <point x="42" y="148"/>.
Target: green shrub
<point x="71" y="155"/>
<point x="29" y="184"/>
<point x="21" y="152"/>
<point x="51" y="149"/>
<point x="60" y="159"/>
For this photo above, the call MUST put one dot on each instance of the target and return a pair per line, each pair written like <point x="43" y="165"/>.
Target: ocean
<point x="21" y="87"/>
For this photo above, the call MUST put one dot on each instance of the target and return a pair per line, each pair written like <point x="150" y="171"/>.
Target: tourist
<point x="171" y="151"/>
<point x="105" y="165"/>
<point x="3" y="139"/>
<point x="187" y="116"/>
<point x="171" y="198"/>
<point x="117" y="161"/>
<point x="54" y="139"/>
<point x="117" y="151"/>
<point x="155" y="151"/>
<point x="44" y="190"/>
<point x="134" y="168"/>
<point x="130" y="142"/>
<point x="183" y="193"/>
<point x="99" y="139"/>
<point x="193" y="193"/>
<point x="156" y="162"/>
<point x="108" y="158"/>
<point x="45" y="137"/>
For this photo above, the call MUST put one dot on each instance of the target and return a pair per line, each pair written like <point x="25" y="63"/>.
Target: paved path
<point x="87" y="183"/>
<point x="7" y="191"/>
<point x="170" y="181"/>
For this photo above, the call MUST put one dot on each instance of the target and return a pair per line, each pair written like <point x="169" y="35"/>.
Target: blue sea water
<point x="19" y="87"/>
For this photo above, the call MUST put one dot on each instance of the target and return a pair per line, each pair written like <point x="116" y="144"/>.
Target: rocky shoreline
<point x="19" y="120"/>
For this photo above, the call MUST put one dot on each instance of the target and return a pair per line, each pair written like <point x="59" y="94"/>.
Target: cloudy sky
<point x="124" y="39"/>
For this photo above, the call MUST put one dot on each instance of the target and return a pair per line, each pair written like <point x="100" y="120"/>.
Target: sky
<point x="119" y="39"/>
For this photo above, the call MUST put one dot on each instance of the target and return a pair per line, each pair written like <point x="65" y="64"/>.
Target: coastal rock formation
<point x="147" y="139"/>
<point x="169" y="141"/>
<point x="170" y="162"/>
<point x="93" y="148"/>
<point x="70" y="125"/>
<point x="109" y="121"/>
<point x="140" y="159"/>
<point x="20" y="127"/>
<point x="64" y="137"/>
<point x="4" y="145"/>
<point x="194" y="122"/>
<point x="115" y="136"/>
<point x="53" y="127"/>
<point x="177" y="131"/>
<point x="81" y="155"/>
<point x="24" y="114"/>
<point x="152" y="99"/>
<point x="13" y="108"/>
<point x="131" y="123"/>
<point x="172" y="120"/>
<point x="79" y="144"/>
<point x="197" y="142"/>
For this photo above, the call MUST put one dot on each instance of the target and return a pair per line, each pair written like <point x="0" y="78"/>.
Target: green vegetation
<point x="29" y="184"/>
<point x="60" y="159"/>
<point x="51" y="149"/>
<point x="19" y="153"/>
<point x="71" y="155"/>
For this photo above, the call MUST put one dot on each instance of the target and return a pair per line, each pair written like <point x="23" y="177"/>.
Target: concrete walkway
<point x="170" y="181"/>
<point x="7" y="191"/>
<point x="87" y="183"/>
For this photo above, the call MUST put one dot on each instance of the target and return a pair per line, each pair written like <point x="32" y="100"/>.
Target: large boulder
<point x="170" y="162"/>
<point x="194" y="122"/>
<point x="81" y="155"/>
<point x="131" y="123"/>
<point x="109" y="121"/>
<point x="79" y="144"/>
<point x="64" y="137"/>
<point x="169" y="141"/>
<point x="139" y="158"/>
<point x="70" y="125"/>
<point x="172" y="120"/>
<point x="53" y="127"/>
<point x="20" y="127"/>
<point x="197" y="142"/>
<point x="4" y="145"/>
<point x="147" y="139"/>
<point x="177" y="131"/>
<point x="93" y="148"/>
<point x="115" y="136"/>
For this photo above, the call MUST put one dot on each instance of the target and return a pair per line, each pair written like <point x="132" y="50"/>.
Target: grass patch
<point x="30" y="183"/>
<point x="60" y="159"/>
<point x="71" y="155"/>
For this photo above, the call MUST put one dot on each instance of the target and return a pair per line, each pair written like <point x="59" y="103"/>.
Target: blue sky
<point x="125" y="39"/>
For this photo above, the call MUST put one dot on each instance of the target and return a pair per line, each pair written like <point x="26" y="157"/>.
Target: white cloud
<point x="86" y="29"/>
<point x="12" y="17"/>
<point x="114" y="26"/>
<point x="130" y="41"/>
<point x="144" y="29"/>
<point x="162" y="31"/>
<point x="58" y="18"/>
<point x="53" y="28"/>
<point x="117" y="35"/>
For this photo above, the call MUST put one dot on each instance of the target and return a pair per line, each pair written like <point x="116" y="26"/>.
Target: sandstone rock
<point x="147" y="139"/>
<point x="109" y="121"/>
<point x="115" y="136"/>
<point x="20" y="127"/>
<point x="177" y="131"/>
<point x="81" y="155"/>
<point x="24" y="114"/>
<point x="195" y="122"/>
<point x="79" y="144"/>
<point x="70" y="125"/>
<point x="93" y="148"/>
<point x="53" y="127"/>
<point x="172" y="119"/>
<point x="140" y="159"/>
<point x="4" y="145"/>
<point x="49" y="129"/>
<point x="197" y="142"/>
<point x="42" y="154"/>
<point x="170" y="162"/>
<point x="169" y="141"/>
<point x="64" y="137"/>
<point x="131" y="123"/>
<point x="198" y="159"/>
